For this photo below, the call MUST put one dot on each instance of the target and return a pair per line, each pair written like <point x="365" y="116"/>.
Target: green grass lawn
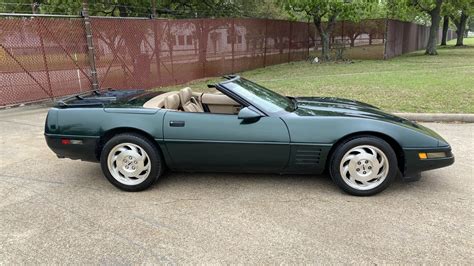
<point x="410" y="83"/>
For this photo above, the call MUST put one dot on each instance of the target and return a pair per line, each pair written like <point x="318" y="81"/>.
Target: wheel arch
<point x="397" y="148"/>
<point x="107" y="135"/>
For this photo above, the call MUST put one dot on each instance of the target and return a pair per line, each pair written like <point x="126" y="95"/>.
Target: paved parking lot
<point x="64" y="211"/>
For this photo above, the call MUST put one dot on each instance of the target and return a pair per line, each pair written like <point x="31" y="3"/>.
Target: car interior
<point x="186" y="100"/>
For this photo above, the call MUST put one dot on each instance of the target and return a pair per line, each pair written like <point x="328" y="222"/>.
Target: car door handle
<point x="177" y="123"/>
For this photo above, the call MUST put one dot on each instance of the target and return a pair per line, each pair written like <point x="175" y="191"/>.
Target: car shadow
<point x="322" y="182"/>
<point x="176" y="180"/>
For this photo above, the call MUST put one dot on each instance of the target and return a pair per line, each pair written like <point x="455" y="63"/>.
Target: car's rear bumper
<point x="81" y="148"/>
<point x="414" y="165"/>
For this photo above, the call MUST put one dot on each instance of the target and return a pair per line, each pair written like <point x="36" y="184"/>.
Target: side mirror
<point x="248" y="114"/>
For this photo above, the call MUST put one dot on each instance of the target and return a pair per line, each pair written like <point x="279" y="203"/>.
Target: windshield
<point x="270" y="101"/>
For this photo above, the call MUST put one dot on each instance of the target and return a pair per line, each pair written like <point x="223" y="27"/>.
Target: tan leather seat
<point x="188" y="102"/>
<point x="172" y="102"/>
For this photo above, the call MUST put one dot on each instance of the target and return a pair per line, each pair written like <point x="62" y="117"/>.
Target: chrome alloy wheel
<point x="364" y="167"/>
<point x="129" y="164"/>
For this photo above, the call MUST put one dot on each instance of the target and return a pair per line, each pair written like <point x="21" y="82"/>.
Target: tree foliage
<point x="404" y="10"/>
<point x="144" y="8"/>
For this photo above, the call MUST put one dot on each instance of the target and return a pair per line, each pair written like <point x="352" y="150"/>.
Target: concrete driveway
<point x="63" y="211"/>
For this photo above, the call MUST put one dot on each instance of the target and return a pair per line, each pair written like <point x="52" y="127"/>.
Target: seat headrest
<point x="185" y="95"/>
<point x="172" y="102"/>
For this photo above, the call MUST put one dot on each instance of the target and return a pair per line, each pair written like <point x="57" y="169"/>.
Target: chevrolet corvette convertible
<point x="241" y="126"/>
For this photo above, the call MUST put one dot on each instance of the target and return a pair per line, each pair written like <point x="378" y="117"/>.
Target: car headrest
<point x="172" y="102"/>
<point x="185" y="95"/>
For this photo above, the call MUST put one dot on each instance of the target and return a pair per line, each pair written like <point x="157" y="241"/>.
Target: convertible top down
<point x="241" y="127"/>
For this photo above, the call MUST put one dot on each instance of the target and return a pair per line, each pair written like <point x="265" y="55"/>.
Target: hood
<point x="328" y="106"/>
<point x="332" y="100"/>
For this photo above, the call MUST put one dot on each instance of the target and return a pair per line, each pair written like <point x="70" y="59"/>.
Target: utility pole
<point x="90" y="44"/>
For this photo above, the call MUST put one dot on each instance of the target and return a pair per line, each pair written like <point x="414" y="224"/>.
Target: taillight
<point x="71" y="141"/>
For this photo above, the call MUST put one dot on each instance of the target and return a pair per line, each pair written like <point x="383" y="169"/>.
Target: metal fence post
<point x="308" y="39"/>
<point x="157" y="51"/>
<point x="157" y="43"/>
<point x="90" y="44"/>
<point x="201" y="49"/>
<point x="289" y="41"/>
<point x="233" y="43"/>
<point x="343" y="39"/>
<point x="385" y="40"/>
<point x="170" y="48"/>
<point x="265" y="44"/>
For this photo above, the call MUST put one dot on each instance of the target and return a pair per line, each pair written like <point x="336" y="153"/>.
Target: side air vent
<point x="307" y="157"/>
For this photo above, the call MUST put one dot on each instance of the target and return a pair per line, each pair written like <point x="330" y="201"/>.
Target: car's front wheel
<point x="131" y="162"/>
<point x="363" y="166"/>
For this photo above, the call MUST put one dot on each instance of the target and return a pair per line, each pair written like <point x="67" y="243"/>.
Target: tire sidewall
<point x="363" y="140"/>
<point x="151" y="150"/>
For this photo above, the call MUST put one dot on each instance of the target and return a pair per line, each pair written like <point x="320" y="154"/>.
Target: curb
<point x="433" y="117"/>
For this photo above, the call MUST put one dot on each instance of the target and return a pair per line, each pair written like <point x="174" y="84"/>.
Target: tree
<point x="325" y="14"/>
<point x="460" y="22"/>
<point x="319" y="11"/>
<point x="459" y="12"/>
<point x="433" y="9"/>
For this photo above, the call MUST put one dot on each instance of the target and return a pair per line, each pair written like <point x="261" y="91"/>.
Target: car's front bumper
<point x="414" y="165"/>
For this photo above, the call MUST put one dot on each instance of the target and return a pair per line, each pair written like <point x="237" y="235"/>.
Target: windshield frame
<point x="226" y="89"/>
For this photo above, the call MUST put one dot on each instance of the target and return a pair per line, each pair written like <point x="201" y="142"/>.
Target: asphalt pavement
<point x="63" y="211"/>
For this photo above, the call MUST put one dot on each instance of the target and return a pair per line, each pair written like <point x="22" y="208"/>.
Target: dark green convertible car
<point x="241" y="127"/>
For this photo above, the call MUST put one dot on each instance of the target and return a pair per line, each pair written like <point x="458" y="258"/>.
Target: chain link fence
<point x="48" y="57"/>
<point x="42" y="58"/>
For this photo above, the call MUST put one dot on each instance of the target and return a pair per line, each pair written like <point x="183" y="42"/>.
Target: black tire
<point x="156" y="161"/>
<point x="346" y="146"/>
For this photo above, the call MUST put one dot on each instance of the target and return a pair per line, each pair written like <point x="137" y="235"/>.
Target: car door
<point x="223" y="142"/>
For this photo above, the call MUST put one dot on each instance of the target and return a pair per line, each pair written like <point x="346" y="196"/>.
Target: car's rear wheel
<point x="363" y="166"/>
<point x="131" y="162"/>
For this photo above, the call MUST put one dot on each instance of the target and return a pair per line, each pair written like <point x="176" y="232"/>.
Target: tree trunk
<point x="461" y="28"/>
<point x="445" y="30"/>
<point x="325" y="53"/>
<point x="353" y="38"/>
<point x="325" y="34"/>
<point x="122" y="11"/>
<point x="324" y="39"/>
<point x="433" y="38"/>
